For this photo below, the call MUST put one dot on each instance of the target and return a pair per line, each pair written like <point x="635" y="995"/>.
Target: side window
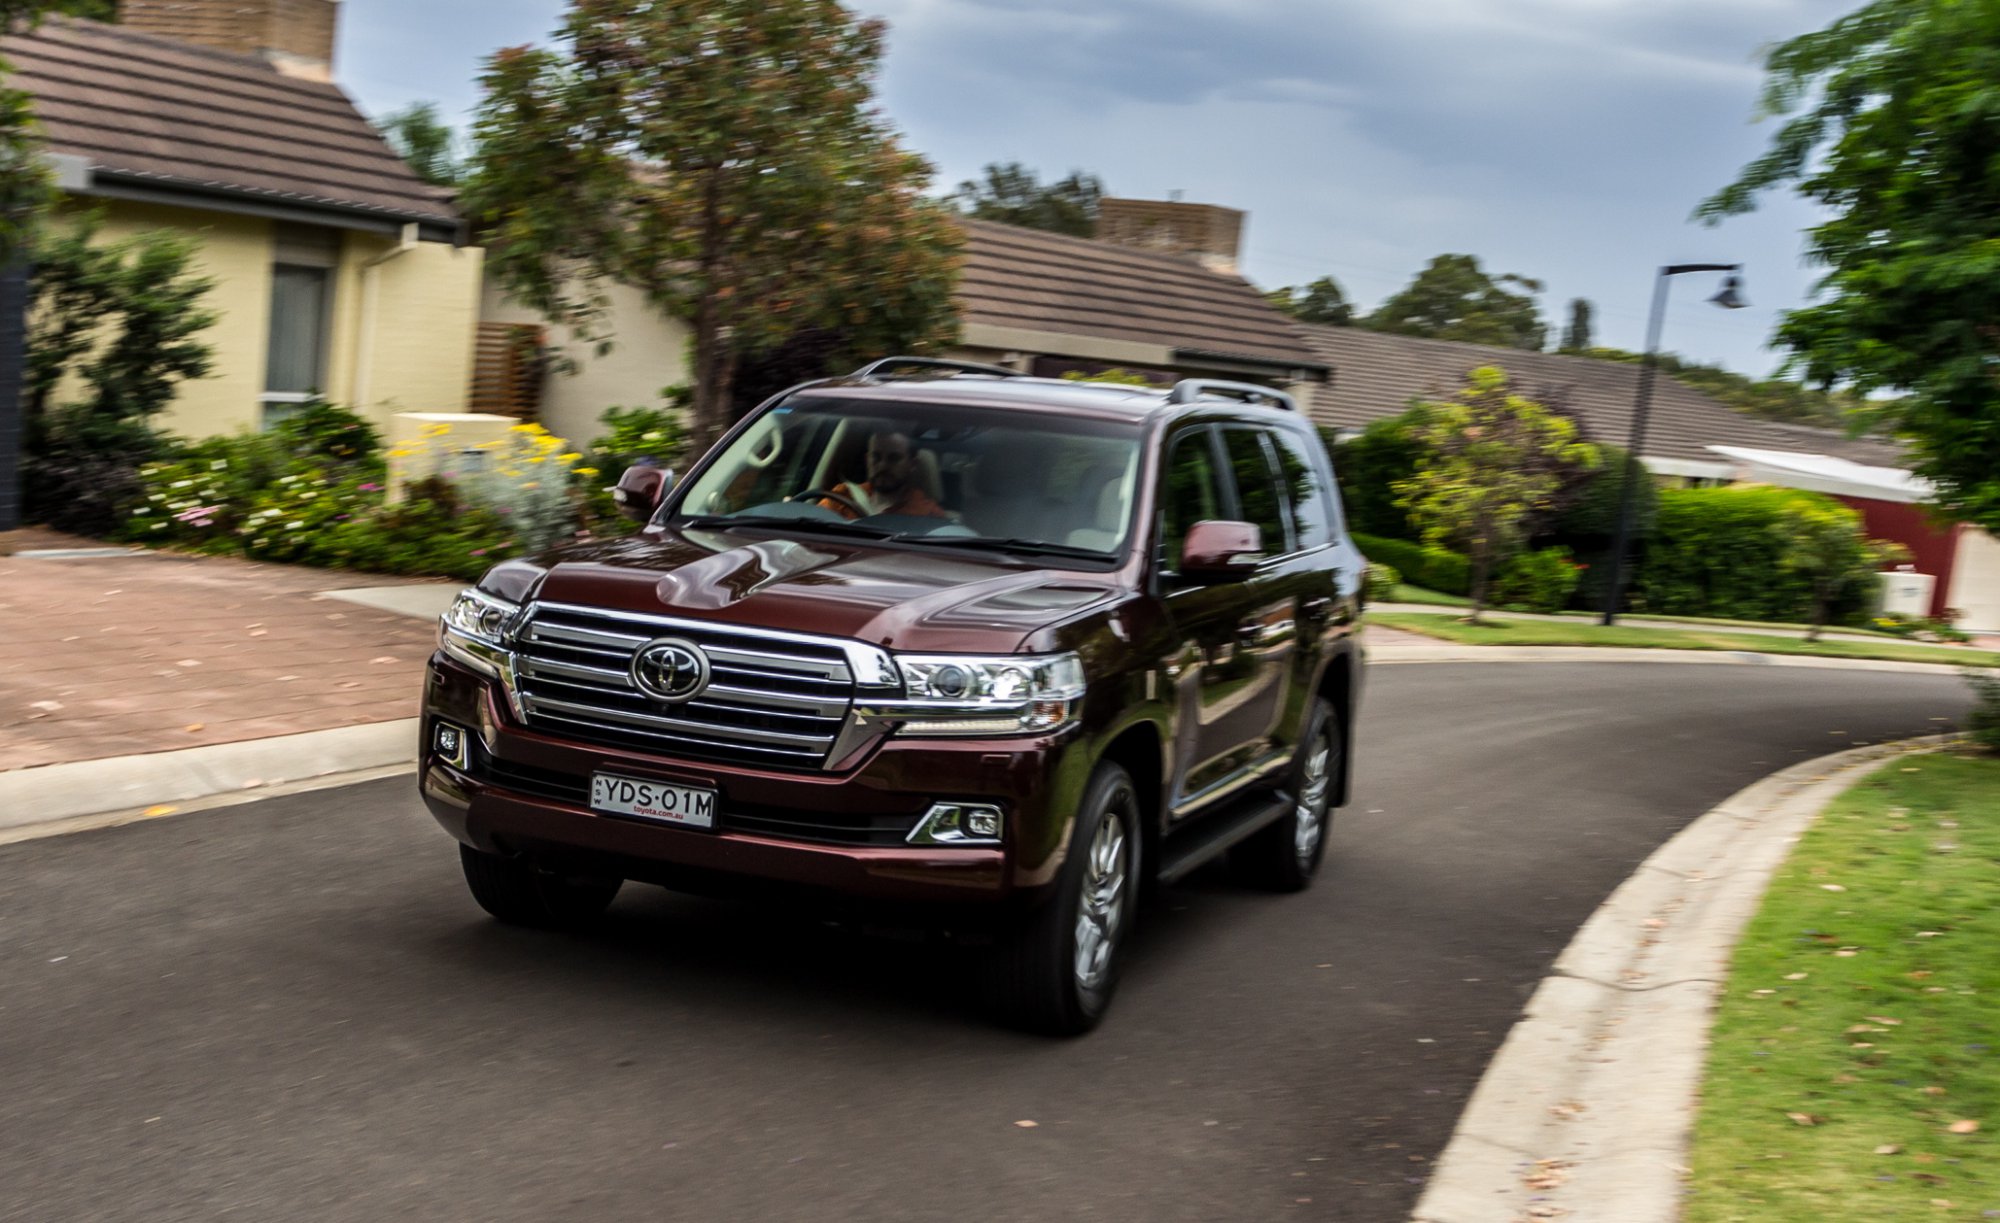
<point x="1189" y="492"/>
<point x="1256" y="492"/>
<point x="1310" y="499"/>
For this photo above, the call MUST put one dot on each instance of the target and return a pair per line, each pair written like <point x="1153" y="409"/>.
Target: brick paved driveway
<point x="111" y="656"/>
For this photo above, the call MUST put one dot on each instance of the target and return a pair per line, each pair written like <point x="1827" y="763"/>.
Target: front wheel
<point x="1285" y="856"/>
<point x="520" y="893"/>
<point x="1056" y="974"/>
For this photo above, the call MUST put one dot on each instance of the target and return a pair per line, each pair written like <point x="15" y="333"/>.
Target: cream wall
<point x="1975" y="581"/>
<point x="649" y="353"/>
<point x="236" y="254"/>
<point x="406" y="342"/>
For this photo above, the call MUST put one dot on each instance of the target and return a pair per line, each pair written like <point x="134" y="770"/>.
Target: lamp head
<point x="1731" y="297"/>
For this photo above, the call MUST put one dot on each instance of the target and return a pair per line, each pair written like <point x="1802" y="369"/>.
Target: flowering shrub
<point x="649" y="437"/>
<point x="530" y="478"/>
<point x="1922" y="628"/>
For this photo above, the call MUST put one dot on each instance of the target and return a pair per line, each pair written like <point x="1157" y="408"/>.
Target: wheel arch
<point x="1336" y="684"/>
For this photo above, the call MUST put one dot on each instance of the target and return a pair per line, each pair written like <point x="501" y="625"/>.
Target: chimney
<point x="296" y="36"/>
<point x="1208" y="233"/>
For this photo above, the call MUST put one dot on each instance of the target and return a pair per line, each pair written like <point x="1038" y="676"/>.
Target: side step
<point x="1212" y="835"/>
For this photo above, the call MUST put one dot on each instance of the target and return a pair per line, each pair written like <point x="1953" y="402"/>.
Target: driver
<point x="891" y="488"/>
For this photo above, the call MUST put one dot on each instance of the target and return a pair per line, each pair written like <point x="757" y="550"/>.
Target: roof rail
<point x="1187" y="390"/>
<point x="874" y="368"/>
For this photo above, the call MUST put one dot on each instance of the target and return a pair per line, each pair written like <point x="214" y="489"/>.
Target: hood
<point x="906" y="599"/>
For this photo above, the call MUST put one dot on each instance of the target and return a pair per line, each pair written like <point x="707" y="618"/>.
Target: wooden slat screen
<point x="507" y="370"/>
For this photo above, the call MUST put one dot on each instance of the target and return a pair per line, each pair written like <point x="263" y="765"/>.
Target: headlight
<point x="473" y="630"/>
<point x="960" y="694"/>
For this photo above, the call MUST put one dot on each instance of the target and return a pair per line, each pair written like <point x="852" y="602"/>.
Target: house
<point x="1691" y="439"/>
<point x="338" y="272"/>
<point x="1043" y="303"/>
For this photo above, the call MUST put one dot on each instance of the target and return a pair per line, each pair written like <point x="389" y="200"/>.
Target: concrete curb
<point x="61" y="792"/>
<point x="1390" y="655"/>
<point x="1587" y="1110"/>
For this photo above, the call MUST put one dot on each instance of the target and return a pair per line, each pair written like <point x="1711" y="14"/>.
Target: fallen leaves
<point x="1806" y="1118"/>
<point x="1026" y="1125"/>
<point x="1962" y="1127"/>
<point x="1889" y="1148"/>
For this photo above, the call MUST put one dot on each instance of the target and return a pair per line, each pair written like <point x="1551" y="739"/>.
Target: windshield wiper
<point x="1024" y="547"/>
<point x="786" y="524"/>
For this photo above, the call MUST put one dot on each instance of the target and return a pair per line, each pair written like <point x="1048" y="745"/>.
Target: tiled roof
<point x="1027" y="278"/>
<point x="174" y="115"/>
<point x="1377" y="375"/>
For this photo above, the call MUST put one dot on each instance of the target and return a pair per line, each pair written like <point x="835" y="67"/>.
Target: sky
<point x="1563" y="140"/>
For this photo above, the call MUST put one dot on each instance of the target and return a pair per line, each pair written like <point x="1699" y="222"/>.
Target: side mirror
<point x="1220" y="551"/>
<point x="641" y="490"/>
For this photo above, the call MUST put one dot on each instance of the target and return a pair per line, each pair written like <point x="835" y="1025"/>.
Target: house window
<point x="295" y="359"/>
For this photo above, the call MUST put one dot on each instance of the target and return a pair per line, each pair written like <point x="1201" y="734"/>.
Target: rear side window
<point x="1189" y="492"/>
<point x="1311" y="501"/>
<point x="1256" y="490"/>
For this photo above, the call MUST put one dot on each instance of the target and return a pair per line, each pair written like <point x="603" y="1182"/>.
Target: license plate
<point x="652" y="800"/>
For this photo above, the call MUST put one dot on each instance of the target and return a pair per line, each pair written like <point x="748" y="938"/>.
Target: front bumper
<point x="838" y="834"/>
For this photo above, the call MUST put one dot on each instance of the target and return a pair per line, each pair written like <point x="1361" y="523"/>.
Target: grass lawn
<point x="1720" y="623"/>
<point x="1406" y="593"/>
<point x="1565" y="632"/>
<point x="1854" y="1066"/>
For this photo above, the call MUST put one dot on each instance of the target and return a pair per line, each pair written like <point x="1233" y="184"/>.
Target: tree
<point x="121" y="322"/>
<point x="1452" y="299"/>
<point x="1493" y="461"/>
<point x="1576" y="336"/>
<point x="723" y="157"/>
<point x="1823" y="543"/>
<point x="1766" y="398"/>
<point x="1013" y="195"/>
<point x="1895" y="122"/>
<point x="1319" y="302"/>
<point x="425" y="142"/>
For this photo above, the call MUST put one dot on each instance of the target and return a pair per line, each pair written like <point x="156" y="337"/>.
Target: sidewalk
<point x="108" y="654"/>
<point x="1640" y="621"/>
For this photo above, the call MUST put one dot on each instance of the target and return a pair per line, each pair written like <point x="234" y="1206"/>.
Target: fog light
<point x="450" y="744"/>
<point x="958" y="824"/>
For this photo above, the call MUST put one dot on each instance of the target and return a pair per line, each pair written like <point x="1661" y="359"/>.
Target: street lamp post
<point x="1729" y="299"/>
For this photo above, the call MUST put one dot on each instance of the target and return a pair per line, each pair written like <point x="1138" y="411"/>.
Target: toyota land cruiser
<point x="996" y="650"/>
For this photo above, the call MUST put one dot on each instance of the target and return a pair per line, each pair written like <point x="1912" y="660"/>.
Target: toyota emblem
<point x="670" y="670"/>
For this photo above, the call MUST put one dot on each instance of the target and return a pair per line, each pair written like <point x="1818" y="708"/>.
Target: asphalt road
<point x="290" y="1010"/>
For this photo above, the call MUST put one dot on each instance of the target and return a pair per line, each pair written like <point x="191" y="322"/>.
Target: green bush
<point x="1420" y="564"/>
<point x="1983" y="723"/>
<point x="1382" y="582"/>
<point x="1720" y="552"/>
<point x="1538" y="581"/>
<point x="1590" y="524"/>
<point x="652" y="437"/>
<point x="1368" y="467"/>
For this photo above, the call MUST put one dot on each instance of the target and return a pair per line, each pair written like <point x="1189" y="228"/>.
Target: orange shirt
<point x="915" y="502"/>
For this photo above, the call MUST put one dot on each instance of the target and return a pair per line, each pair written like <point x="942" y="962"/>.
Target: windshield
<point x="928" y="473"/>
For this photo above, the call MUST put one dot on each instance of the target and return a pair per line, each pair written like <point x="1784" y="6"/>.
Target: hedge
<point x="1716" y="552"/>
<point x="1421" y="565"/>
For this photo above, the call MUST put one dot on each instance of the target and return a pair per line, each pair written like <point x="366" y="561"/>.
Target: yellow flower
<point x="588" y="473"/>
<point x="400" y="454"/>
<point x="436" y="430"/>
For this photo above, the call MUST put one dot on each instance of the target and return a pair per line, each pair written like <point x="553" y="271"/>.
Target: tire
<point x="519" y="893"/>
<point x="1056" y="973"/>
<point x="1285" y="856"/>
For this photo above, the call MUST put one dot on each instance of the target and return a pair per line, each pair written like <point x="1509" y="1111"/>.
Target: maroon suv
<point x="990" y="649"/>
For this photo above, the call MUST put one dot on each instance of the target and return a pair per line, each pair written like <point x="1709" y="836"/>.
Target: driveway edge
<point x="1587" y="1109"/>
<point x="52" y="793"/>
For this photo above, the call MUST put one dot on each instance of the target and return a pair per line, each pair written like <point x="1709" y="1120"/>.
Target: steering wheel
<point x="830" y="495"/>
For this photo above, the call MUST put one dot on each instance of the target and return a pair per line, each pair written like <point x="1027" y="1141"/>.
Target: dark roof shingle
<point x="1028" y="278"/>
<point x="176" y="114"/>
<point x="1376" y="375"/>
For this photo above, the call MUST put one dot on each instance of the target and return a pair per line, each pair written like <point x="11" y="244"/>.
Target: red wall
<point x="1933" y="548"/>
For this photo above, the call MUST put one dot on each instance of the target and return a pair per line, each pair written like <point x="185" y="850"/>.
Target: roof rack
<point x="874" y="369"/>
<point x="1187" y="390"/>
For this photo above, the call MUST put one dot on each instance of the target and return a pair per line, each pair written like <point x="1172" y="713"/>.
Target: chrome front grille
<point x="773" y="700"/>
